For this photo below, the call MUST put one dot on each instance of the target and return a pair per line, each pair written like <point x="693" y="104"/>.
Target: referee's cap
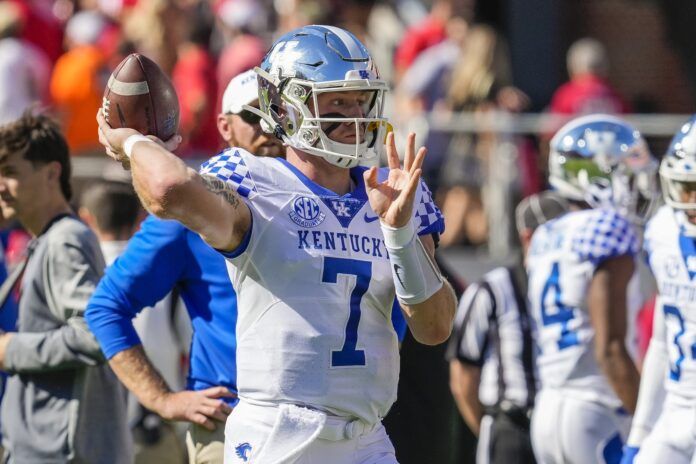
<point x="539" y="208"/>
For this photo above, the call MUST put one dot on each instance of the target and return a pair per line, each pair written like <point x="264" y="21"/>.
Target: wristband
<point x="398" y="237"/>
<point x="132" y="140"/>
<point x="416" y="277"/>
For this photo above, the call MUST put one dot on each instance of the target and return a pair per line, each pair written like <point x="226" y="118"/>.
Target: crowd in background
<point x="60" y="53"/>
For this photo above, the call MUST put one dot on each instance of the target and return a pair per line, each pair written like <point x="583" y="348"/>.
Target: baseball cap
<point x="242" y="90"/>
<point x="539" y="208"/>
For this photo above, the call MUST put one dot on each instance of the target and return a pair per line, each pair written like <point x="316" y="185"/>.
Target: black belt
<point x="519" y="415"/>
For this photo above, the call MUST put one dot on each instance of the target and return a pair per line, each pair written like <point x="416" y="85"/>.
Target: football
<point x="140" y="96"/>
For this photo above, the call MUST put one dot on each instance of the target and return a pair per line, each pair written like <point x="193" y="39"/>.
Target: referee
<point x="492" y="372"/>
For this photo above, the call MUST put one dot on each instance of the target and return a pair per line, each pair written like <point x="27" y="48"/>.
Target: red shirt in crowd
<point x="242" y="54"/>
<point x="585" y="95"/>
<point x="195" y="83"/>
<point x="42" y="29"/>
<point x="425" y="34"/>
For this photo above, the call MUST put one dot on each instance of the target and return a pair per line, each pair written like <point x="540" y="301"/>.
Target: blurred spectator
<point x="24" y="69"/>
<point x="588" y="90"/>
<point x="480" y="82"/>
<point x="78" y="81"/>
<point x="111" y="210"/>
<point x="424" y="86"/>
<point x="241" y="128"/>
<point x="353" y="16"/>
<point x="195" y="83"/>
<point x="41" y="27"/>
<point x="292" y="14"/>
<point x="157" y="28"/>
<point x="431" y="31"/>
<point x="241" y="22"/>
<point x="62" y="403"/>
<point x="426" y="81"/>
<point x="385" y="29"/>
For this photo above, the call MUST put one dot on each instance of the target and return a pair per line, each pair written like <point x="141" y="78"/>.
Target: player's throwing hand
<point x="113" y="140"/>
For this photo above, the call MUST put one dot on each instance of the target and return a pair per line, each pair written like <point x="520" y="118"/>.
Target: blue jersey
<point x="161" y="256"/>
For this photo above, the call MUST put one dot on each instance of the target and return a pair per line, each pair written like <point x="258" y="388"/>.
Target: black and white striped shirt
<point x="492" y="330"/>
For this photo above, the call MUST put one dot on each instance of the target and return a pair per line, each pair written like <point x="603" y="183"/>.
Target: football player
<point x="664" y="427"/>
<point x="316" y="247"/>
<point x="579" y="268"/>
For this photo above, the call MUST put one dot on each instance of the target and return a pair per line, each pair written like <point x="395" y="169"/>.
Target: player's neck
<point x="321" y="172"/>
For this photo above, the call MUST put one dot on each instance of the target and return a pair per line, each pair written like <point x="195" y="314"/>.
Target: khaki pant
<point x="167" y="450"/>
<point x="204" y="446"/>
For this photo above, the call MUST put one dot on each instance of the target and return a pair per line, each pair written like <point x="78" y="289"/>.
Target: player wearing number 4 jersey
<point x="579" y="268"/>
<point x="317" y="247"/>
<point x="665" y="430"/>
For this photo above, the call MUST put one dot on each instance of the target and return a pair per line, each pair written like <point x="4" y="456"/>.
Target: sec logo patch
<point x="305" y="212"/>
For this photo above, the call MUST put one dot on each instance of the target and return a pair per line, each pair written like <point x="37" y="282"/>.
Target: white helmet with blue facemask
<point x="678" y="174"/>
<point x="605" y="162"/>
<point x="305" y="63"/>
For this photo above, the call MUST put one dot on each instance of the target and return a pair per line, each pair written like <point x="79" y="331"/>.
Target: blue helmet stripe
<point x="354" y="48"/>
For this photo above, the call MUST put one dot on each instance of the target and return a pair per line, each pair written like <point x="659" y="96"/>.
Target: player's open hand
<point x="200" y="407"/>
<point x="392" y="200"/>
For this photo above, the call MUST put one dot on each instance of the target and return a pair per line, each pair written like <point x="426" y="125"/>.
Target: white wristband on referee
<point x="132" y="140"/>
<point x="416" y="277"/>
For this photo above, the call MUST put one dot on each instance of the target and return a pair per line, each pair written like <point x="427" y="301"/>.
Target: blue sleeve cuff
<point x="436" y="227"/>
<point x="629" y="454"/>
<point x="242" y="247"/>
<point x="398" y="321"/>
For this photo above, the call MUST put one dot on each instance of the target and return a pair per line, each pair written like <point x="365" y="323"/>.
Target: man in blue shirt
<point x="165" y="255"/>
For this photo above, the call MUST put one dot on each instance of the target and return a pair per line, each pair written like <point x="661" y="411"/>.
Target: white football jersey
<point x="314" y="288"/>
<point x="672" y="259"/>
<point x="562" y="259"/>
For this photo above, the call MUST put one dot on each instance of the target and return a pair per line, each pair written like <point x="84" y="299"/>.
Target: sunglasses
<point x="249" y="117"/>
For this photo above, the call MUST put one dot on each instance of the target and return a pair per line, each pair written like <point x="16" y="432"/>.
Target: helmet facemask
<point x="678" y="176"/>
<point x="300" y="68"/>
<point x="293" y="104"/>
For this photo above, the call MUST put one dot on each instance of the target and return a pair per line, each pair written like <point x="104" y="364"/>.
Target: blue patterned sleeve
<point x="605" y="235"/>
<point x="230" y="167"/>
<point x="429" y="219"/>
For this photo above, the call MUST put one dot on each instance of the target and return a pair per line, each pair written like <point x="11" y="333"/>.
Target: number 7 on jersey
<point x="362" y="270"/>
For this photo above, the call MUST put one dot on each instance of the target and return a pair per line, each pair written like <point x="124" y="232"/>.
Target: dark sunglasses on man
<point x="249" y="117"/>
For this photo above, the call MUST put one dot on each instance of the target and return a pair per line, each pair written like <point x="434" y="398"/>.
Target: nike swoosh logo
<point x="397" y="271"/>
<point x="369" y="219"/>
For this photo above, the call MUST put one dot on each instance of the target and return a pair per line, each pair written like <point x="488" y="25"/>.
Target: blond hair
<point x="483" y="63"/>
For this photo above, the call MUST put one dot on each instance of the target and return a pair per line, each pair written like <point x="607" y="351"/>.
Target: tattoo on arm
<point x="219" y="188"/>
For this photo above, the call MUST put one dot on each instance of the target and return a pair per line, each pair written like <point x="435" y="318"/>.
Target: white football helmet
<point x="678" y="172"/>
<point x="604" y="162"/>
<point x="310" y="61"/>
